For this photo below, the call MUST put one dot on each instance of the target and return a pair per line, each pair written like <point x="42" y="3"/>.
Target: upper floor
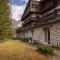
<point x="49" y="11"/>
<point x="32" y="6"/>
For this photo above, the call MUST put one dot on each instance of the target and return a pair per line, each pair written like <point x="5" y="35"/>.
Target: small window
<point x="33" y="15"/>
<point x="32" y="32"/>
<point x="46" y="35"/>
<point x="34" y="6"/>
<point x="37" y="16"/>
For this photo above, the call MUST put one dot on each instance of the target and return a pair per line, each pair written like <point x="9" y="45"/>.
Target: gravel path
<point x="56" y="55"/>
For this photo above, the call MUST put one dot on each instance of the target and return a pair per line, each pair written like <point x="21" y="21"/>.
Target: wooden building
<point x="41" y="22"/>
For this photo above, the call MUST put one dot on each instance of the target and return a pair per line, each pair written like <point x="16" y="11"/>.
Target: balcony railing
<point x="48" y="5"/>
<point x="33" y="17"/>
<point x="31" y="25"/>
<point x="45" y="18"/>
<point x="26" y="20"/>
<point x="50" y="15"/>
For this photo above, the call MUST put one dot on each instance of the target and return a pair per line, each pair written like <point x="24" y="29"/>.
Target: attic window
<point x="34" y="6"/>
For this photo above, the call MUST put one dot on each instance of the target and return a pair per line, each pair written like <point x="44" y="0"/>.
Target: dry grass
<point x="15" y="50"/>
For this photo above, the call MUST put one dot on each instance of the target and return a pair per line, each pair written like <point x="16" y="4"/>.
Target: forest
<point x="5" y="28"/>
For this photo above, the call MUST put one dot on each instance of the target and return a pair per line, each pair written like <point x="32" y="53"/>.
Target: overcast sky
<point x="17" y="8"/>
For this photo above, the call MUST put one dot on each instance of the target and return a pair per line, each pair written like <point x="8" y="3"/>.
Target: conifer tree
<point x="4" y="20"/>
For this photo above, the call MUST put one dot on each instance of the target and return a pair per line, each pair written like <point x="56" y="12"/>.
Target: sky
<point x="17" y="8"/>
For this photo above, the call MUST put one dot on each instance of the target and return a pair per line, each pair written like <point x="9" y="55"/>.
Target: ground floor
<point x="48" y="34"/>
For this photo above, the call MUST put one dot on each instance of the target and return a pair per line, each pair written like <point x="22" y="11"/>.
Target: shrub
<point x="45" y="49"/>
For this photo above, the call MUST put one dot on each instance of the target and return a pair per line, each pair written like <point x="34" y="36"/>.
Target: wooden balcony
<point x="31" y="18"/>
<point x="26" y="20"/>
<point x="29" y="26"/>
<point x="48" y="5"/>
<point x="50" y="16"/>
<point x="29" y="11"/>
<point x="44" y="7"/>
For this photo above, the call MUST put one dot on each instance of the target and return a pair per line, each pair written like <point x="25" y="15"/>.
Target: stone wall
<point x="39" y="36"/>
<point x="28" y="34"/>
<point x="55" y="35"/>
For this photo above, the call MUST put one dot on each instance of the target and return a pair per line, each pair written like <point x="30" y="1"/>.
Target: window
<point x="34" y="6"/>
<point x="47" y="36"/>
<point x="32" y="32"/>
<point x="37" y="16"/>
<point x="33" y="15"/>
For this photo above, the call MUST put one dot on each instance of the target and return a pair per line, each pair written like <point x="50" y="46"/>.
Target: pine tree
<point x="4" y="20"/>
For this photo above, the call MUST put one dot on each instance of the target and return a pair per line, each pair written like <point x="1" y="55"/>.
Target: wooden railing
<point x="46" y="6"/>
<point x="49" y="16"/>
<point x="53" y="13"/>
<point x="26" y="20"/>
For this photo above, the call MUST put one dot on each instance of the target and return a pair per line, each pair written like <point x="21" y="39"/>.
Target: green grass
<point x="45" y="50"/>
<point x="15" y="50"/>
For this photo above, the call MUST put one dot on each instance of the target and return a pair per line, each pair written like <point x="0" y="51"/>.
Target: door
<point x="47" y="36"/>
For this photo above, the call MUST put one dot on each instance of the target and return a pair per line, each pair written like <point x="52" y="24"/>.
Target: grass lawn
<point x="15" y="50"/>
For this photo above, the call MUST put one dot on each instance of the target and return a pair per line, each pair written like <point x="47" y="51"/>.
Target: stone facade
<point x="55" y="35"/>
<point x="39" y="36"/>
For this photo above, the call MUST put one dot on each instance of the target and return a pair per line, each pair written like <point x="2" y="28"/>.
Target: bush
<point x="45" y="49"/>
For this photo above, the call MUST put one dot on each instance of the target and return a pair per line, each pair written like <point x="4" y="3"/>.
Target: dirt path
<point x="16" y="50"/>
<point x="56" y="55"/>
